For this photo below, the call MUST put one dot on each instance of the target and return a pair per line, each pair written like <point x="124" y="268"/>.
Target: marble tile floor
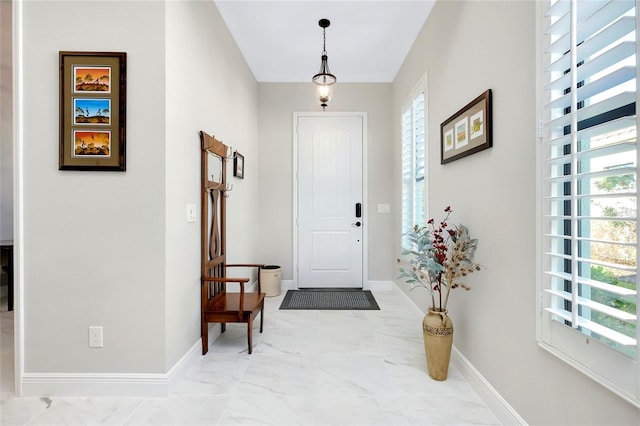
<point x="308" y="368"/>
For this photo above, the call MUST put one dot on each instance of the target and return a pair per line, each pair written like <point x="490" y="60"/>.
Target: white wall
<point x="94" y="241"/>
<point x="468" y="47"/>
<point x="112" y="248"/>
<point x="6" y="119"/>
<point x="277" y="103"/>
<point x="209" y="87"/>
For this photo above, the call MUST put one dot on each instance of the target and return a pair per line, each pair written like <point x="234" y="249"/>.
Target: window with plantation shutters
<point x="588" y="204"/>
<point x="413" y="162"/>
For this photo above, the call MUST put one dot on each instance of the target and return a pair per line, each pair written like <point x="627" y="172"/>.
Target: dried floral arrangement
<point x="440" y="260"/>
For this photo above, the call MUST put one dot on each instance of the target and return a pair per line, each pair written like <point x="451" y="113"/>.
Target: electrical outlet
<point x="95" y="336"/>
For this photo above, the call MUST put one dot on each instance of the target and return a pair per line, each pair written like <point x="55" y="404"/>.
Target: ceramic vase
<point x="437" y="330"/>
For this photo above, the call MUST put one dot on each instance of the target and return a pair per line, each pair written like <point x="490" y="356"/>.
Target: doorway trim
<point x="18" y="198"/>
<point x="365" y="198"/>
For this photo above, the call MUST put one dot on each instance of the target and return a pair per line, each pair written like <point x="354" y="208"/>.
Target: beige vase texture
<point x="437" y="330"/>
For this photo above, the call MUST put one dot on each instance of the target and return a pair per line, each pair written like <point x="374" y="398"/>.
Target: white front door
<point x="330" y="210"/>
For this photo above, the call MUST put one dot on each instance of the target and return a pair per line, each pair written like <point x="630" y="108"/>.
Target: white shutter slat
<point x="616" y="243"/>
<point x="562" y="159"/>
<point x="607" y="219"/>
<point x="558" y="180"/>
<point x="621" y="291"/>
<point x="558" y="255"/>
<point x="591" y="111"/>
<point x="613" y="79"/>
<point x="559" y="8"/>
<point x="613" y="56"/>
<point x="601" y="17"/>
<point x="609" y="196"/>
<point x="592" y="261"/>
<point x="596" y="328"/>
<point x="558" y="198"/>
<point x="608" y="127"/>
<point x="584" y="177"/>
<point x="560" y="26"/>
<point x="606" y="173"/>
<point x="608" y="310"/>
<point x="560" y="46"/>
<point x="606" y="37"/>
<point x="614" y="289"/>
<point x="618" y="219"/>
<point x="625" y="268"/>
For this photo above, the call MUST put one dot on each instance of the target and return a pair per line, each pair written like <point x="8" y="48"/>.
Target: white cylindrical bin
<point x="270" y="280"/>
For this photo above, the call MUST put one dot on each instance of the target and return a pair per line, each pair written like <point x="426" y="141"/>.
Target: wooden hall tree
<point x="218" y="305"/>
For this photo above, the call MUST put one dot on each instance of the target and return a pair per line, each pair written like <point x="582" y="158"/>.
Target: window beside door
<point x="413" y="161"/>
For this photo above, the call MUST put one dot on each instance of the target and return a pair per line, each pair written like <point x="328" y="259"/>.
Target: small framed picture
<point x="238" y="165"/>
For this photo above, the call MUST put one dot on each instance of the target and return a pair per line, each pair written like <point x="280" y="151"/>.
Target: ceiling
<point x="367" y="41"/>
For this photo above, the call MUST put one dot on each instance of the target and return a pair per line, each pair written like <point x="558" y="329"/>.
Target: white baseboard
<point x="379" y="285"/>
<point x="94" y="384"/>
<point x="108" y="384"/>
<point x="496" y="403"/>
<point x="369" y="285"/>
<point x="288" y="285"/>
<point x="180" y="368"/>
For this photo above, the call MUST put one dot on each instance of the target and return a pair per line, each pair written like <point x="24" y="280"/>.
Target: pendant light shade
<point x="324" y="79"/>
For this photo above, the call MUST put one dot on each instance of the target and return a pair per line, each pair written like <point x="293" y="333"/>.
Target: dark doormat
<point x="329" y="299"/>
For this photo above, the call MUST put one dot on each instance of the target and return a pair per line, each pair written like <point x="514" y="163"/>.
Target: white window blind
<point x="588" y="166"/>
<point x="413" y="162"/>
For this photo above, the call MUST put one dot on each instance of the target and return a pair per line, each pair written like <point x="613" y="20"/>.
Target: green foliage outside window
<point x="626" y="304"/>
<point x="616" y="230"/>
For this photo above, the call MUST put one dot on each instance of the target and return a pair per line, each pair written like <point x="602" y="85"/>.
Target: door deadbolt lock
<point x="356" y="224"/>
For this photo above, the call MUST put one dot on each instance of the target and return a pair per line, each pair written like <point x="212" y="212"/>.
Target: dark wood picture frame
<point x="238" y="165"/>
<point x="93" y="111"/>
<point x="467" y="131"/>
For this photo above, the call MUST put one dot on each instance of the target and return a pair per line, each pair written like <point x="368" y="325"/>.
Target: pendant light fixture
<point x="324" y="79"/>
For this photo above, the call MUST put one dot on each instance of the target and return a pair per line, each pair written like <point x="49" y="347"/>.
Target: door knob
<point x="356" y="224"/>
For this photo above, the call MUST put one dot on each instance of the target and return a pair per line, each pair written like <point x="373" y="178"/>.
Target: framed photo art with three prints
<point x="467" y="131"/>
<point x="93" y="111"/>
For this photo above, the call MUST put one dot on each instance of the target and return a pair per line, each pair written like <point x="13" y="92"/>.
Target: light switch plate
<point x="384" y="208"/>
<point x="191" y="213"/>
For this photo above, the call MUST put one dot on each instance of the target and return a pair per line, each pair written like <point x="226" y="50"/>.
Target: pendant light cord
<point x="324" y="41"/>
